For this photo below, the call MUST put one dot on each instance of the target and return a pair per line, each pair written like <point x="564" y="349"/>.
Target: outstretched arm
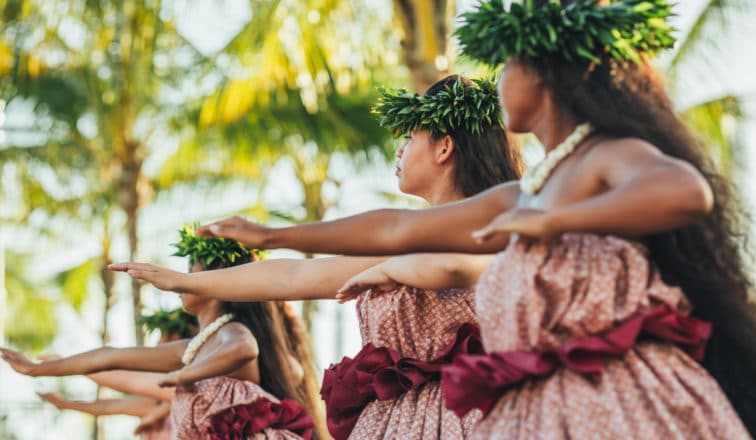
<point x="140" y="383"/>
<point x="236" y="348"/>
<point x="164" y="357"/>
<point x="269" y="280"/>
<point x="130" y="406"/>
<point x="445" y="228"/>
<point x="425" y="271"/>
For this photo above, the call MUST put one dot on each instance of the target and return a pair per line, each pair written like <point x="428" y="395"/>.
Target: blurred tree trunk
<point x="425" y="27"/>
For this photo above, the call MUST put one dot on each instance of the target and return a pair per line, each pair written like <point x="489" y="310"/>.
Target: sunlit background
<point x="122" y="120"/>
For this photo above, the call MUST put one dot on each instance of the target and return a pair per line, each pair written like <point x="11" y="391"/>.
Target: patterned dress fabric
<point x="418" y="324"/>
<point x="537" y="296"/>
<point x="161" y="431"/>
<point x="193" y="407"/>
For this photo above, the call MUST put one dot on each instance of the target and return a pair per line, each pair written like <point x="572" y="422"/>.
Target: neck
<point x="209" y="314"/>
<point x="445" y="192"/>
<point x="554" y="127"/>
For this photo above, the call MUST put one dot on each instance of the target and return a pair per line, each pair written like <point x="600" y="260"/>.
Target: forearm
<point x="436" y="271"/>
<point x="277" y="280"/>
<point x="640" y="207"/>
<point x="446" y="228"/>
<point x="104" y="407"/>
<point x="140" y="383"/>
<point x="163" y="358"/>
<point x="223" y="361"/>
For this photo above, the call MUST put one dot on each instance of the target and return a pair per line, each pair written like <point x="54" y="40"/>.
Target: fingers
<point x="124" y="267"/>
<point x="482" y="235"/>
<point x="348" y="294"/>
<point x="8" y="355"/>
<point x="217" y="229"/>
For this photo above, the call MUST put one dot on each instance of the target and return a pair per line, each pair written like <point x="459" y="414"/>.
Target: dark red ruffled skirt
<point x="243" y="421"/>
<point x="477" y="381"/>
<point x="380" y="373"/>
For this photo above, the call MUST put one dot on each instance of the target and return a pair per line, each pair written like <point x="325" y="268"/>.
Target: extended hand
<point x="374" y="279"/>
<point x="54" y="398"/>
<point x="171" y="379"/>
<point x="149" y="421"/>
<point x="250" y="234"/>
<point x="160" y="277"/>
<point x="18" y="362"/>
<point x="523" y="221"/>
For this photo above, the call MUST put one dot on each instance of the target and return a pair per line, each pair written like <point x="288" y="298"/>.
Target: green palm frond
<point x="715" y="122"/>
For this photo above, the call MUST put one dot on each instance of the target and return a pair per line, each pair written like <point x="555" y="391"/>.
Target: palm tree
<point x="95" y="81"/>
<point x="302" y="89"/>
<point x="715" y="119"/>
<point x="424" y="27"/>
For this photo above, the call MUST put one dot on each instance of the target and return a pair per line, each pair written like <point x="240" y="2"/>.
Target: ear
<point x="444" y="150"/>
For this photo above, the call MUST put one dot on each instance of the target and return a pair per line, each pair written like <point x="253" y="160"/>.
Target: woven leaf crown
<point x="582" y="31"/>
<point x="472" y="107"/>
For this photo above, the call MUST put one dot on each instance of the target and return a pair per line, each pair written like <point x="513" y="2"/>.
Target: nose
<point x="400" y="150"/>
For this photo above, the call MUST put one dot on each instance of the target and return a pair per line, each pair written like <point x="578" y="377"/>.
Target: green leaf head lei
<point x="170" y="322"/>
<point x="212" y="251"/>
<point x="471" y="107"/>
<point x="583" y="31"/>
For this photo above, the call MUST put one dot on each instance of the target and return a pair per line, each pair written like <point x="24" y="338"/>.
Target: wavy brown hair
<point x="281" y="338"/>
<point x="706" y="258"/>
<point x="482" y="160"/>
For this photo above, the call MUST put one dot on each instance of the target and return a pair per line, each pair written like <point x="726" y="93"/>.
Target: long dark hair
<point x="281" y="338"/>
<point x="705" y="259"/>
<point x="485" y="159"/>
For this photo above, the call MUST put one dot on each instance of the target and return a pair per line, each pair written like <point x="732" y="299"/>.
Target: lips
<point x="397" y="171"/>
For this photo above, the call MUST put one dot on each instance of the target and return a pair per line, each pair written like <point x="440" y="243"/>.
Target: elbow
<point x="699" y="198"/>
<point x="454" y="274"/>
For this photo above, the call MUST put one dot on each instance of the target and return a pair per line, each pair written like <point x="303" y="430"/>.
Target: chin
<point x="518" y="127"/>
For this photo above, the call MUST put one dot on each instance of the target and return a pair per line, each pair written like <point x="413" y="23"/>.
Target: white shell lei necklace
<point x="196" y="343"/>
<point x="534" y="179"/>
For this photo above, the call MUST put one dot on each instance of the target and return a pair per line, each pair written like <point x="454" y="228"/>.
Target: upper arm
<point x="629" y="161"/>
<point x="240" y="340"/>
<point x="161" y="358"/>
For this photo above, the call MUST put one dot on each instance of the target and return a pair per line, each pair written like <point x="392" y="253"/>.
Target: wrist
<point x="37" y="370"/>
<point x="553" y="223"/>
<point x="180" y="377"/>
<point x="183" y="283"/>
<point x="272" y="237"/>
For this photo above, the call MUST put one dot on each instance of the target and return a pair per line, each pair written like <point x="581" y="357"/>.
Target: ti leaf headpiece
<point x="170" y="322"/>
<point x="582" y="31"/>
<point x="470" y="107"/>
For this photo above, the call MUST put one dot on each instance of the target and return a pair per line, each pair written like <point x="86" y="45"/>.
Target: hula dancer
<point x="622" y="250"/>
<point x="456" y="147"/>
<point x="247" y="373"/>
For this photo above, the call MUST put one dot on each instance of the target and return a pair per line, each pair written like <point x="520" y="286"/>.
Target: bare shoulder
<point x="235" y="329"/>
<point x="621" y="159"/>
<point x="627" y="148"/>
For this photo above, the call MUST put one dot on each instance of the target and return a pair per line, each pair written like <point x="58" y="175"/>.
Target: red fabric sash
<point x="379" y="373"/>
<point x="243" y="421"/>
<point x="477" y="381"/>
